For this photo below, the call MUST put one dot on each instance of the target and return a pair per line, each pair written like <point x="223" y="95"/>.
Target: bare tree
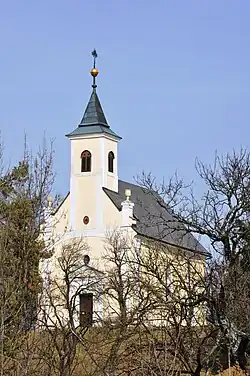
<point x="66" y="276"/>
<point x="154" y="320"/>
<point x="175" y="330"/>
<point x="106" y="348"/>
<point x="124" y="303"/>
<point x="221" y="215"/>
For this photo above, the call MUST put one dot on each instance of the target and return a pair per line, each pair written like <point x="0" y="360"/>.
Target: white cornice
<point x="94" y="135"/>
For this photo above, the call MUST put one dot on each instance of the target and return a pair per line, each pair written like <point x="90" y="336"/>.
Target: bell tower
<point x="93" y="163"/>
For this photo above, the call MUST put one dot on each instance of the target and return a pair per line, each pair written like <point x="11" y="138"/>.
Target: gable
<point x="61" y="215"/>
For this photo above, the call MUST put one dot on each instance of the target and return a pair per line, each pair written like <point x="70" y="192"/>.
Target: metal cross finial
<point x="94" y="54"/>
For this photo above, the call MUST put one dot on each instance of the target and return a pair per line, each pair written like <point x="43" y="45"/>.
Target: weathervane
<point x="94" y="72"/>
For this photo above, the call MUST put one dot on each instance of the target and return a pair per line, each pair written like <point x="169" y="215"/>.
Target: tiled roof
<point x="152" y="218"/>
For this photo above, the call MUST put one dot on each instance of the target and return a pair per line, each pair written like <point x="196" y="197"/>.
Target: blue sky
<point x="174" y="78"/>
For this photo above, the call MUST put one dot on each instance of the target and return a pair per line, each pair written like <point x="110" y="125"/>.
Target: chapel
<point x="99" y="202"/>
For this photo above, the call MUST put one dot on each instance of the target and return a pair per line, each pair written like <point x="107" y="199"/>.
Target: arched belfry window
<point x="86" y="161"/>
<point x="111" y="158"/>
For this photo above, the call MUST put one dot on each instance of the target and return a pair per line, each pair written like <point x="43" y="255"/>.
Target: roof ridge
<point x="146" y="190"/>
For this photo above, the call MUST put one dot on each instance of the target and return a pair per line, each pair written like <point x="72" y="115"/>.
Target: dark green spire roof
<point x="93" y="114"/>
<point x="93" y="120"/>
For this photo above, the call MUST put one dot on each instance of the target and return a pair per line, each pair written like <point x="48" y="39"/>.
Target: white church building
<point x="99" y="202"/>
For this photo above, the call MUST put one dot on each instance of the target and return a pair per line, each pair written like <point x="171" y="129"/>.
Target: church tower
<point x="93" y="163"/>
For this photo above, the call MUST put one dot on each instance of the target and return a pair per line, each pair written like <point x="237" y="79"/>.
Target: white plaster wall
<point x="86" y="198"/>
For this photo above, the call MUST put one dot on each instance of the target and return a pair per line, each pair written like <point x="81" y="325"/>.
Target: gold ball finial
<point x="94" y="72"/>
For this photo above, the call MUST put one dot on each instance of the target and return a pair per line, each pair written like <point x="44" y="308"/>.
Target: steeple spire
<point x="94" y="114"/>
<point x="93" y="120"/>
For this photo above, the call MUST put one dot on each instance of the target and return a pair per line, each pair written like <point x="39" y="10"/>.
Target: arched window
<point x="111" y="158"/>
<point x="86" y="161"/>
